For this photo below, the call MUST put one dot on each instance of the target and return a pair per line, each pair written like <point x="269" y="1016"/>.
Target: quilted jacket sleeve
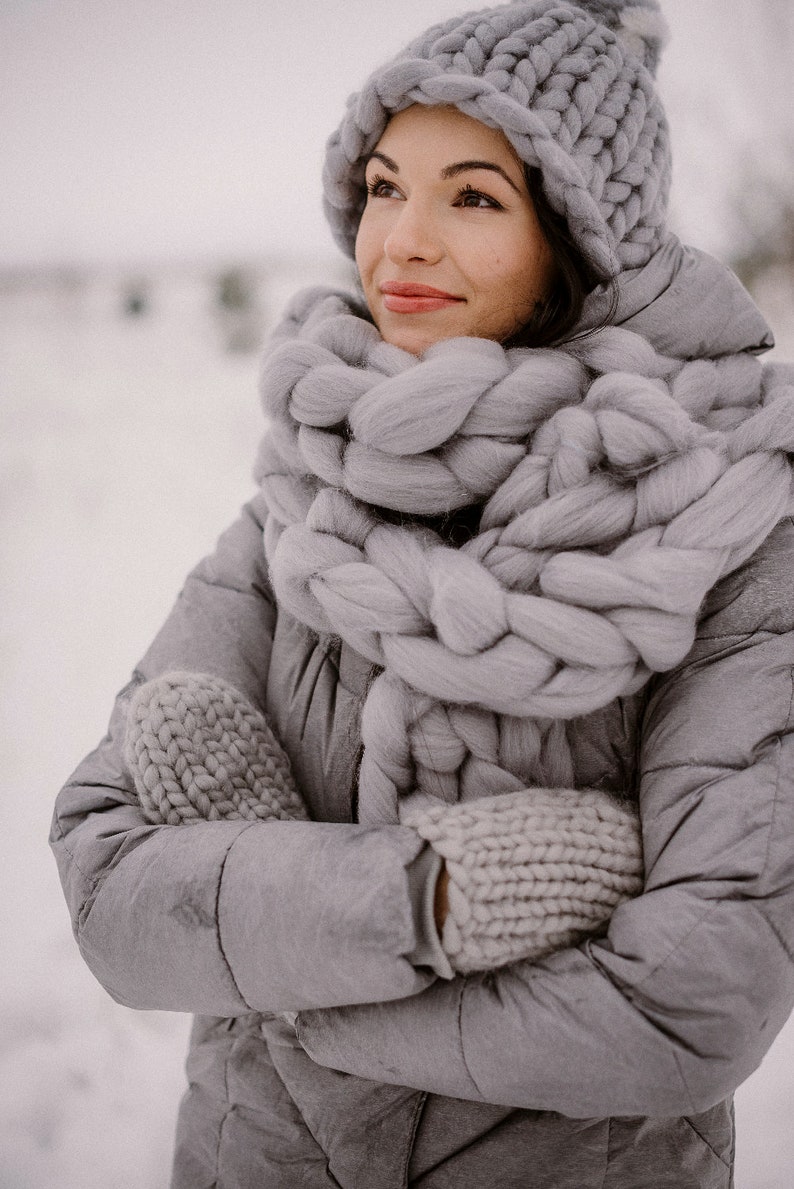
<point x="228" y="917"/>
<point x="677" y="1005"/>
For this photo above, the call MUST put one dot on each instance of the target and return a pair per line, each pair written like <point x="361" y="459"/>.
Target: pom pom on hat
<point x="640" y="27"/>
<point x="570" y="84"/>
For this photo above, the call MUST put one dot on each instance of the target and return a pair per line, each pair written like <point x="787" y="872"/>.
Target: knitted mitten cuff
<point x="199" y="751"/>
<point x="531" y="871"/>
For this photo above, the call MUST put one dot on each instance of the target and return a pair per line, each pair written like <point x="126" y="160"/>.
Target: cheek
<point x="361" y="256"/>
<point x="539" y="266"/>
<point x="514" y="283"/>
<point x="516" y="268"/>
<point x="527" y="280"/>
<point x="366" y="247"/>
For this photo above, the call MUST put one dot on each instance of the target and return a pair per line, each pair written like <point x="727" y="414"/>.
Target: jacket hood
<point x="685" y="303"/>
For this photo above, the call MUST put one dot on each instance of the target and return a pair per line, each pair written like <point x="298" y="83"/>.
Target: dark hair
<point x="558" y="313"/>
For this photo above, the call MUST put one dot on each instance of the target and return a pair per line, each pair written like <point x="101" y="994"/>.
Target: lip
<point x="410" y="289"/>
<point x="407" y="297"/>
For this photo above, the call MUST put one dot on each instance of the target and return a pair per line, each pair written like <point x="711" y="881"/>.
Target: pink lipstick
<point x="406" y="297"/>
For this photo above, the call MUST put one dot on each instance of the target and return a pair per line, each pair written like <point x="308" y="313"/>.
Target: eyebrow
<point x="451" y="171"/>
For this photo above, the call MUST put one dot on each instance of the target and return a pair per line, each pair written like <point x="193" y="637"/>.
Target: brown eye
<point x="476" y="200"/>
<point x="378" y="187"/>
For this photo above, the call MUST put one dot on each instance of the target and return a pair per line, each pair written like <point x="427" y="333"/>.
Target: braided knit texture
<point x="530" y="872"/>
<point x="199" y="751"/>
<point x="617" y="486"/>
<point x="571" y="86"/>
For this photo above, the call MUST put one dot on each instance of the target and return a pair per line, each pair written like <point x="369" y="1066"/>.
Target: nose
<point x="413" y="236"/>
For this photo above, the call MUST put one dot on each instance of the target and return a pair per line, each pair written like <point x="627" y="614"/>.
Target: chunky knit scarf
<point x="616" y="487"/>
<point x="613" y="488"/>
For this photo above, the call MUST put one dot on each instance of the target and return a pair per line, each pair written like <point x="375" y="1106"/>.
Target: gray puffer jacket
<point x="609" y="1065"/>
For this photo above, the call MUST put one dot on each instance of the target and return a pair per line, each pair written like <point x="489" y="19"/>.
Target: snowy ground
<point x="128" y="444"/>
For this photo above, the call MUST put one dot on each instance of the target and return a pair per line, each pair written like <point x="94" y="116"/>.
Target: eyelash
<point x="378" y="183"/>
<point x="465" y="191"/>
<point x="375" y="183"/>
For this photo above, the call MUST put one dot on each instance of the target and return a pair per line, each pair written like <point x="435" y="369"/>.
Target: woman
<point x="525" y="570"/>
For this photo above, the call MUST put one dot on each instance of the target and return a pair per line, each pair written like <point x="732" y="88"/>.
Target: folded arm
<point x="677" y="1005"/>
<point x="229" y="917"/>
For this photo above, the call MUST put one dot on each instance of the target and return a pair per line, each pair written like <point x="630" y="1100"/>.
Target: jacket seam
<point x="246" y="592"/>
<point x="608" y="1148"/>
<point x="419" y="1110"/>
<point x="688" y="1122"/>
<point x="221" y="948"/>
<point x="96" y="884"/>
<point x="226" y="1114"/>
<point x="468" y="1146"/>
<point x="709" y="907"/>
<point x="699" y="764"/>
<point x="782" y="941"/>
<point x="93" y="880"/>
<point x="693" y="1108"/>
<point x="310" y="1130"/>
<point x="628" y="990"/>
<point x="732" y="1157"/>
<point x="752" y="635"/>
<point x="459" y="1021"/>
<point x="61" y="837"/>
<point x="785" y="729"/>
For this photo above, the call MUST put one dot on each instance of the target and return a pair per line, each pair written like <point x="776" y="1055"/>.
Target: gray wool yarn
<point x="199" y="751"/>
<point x="617" y="486"/>
<point x="571" y="85"/>
<point x="530" y="872"/>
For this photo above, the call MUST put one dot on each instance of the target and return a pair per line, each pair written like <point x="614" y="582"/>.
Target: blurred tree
<point x="763" y="206"/>
<point x="238" y="309"/>
<point x="236" y="289"/>
<point x="763" y="198"/>
<point x="136" y="298"/>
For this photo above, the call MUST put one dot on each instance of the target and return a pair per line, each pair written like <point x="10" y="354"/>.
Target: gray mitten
<point x="199" y="751"/>
<point x="531" y="871"/>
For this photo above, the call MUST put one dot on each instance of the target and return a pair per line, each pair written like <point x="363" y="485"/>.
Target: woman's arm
<point x="229" y="917"/>
<point x="679" y="1002"/>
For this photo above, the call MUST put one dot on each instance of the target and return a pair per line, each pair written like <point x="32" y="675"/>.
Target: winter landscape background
<point x="157" y="213"/>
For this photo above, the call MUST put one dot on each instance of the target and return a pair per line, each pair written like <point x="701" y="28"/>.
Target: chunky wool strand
<point x="617" y="486"/>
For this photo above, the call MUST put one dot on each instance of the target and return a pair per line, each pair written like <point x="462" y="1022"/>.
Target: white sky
<point x="138" y="129"/>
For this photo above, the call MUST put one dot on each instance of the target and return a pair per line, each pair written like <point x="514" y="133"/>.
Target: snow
<point x="128" y="443"/>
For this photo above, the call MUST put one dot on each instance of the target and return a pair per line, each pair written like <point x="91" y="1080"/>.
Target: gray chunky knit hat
<point x="571" y="84"/>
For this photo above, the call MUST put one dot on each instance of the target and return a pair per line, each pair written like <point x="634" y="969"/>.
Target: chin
<point x="407" y="339"/>
<point x="415" y="344"/>
<point x="416" y="339"/>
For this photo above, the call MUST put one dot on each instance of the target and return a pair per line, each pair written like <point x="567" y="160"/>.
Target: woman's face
<point x="449" y="243"/>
